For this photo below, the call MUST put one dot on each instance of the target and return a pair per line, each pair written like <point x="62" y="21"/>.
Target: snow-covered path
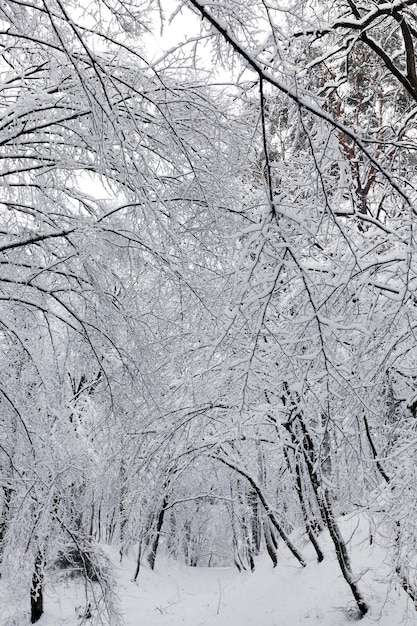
<point x="176" y="595"/>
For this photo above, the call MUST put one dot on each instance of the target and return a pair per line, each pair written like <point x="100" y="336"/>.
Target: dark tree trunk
<point x="309" y="523"/>
<point x="306" y="445"/>
<point x="247" y="529"/>
<point x="138" y="562"/>
<point x="155" y="543"/>
<point x="4" y="516"/>
<point x="270" y="542"/>
<point x="256" y="529"/>
<point x="91" y="530"/>
<point x="36" y="590"/>
<point x="408" y="587"/>
<point x="270" y="513"/>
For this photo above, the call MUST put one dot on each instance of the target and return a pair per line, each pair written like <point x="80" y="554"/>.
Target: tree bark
<point x="300" y="493"/>
<point x="268" y="510"/>
<point x="306" y="446"/>
<point x="155" y="543"/>
<point x="270" y="542"/>
<point x="36" y="590"/>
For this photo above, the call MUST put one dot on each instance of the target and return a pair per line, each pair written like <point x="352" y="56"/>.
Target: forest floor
<point x="176" y="595"/>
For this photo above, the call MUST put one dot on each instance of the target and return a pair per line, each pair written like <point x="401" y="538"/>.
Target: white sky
<point x="177" y="27"/>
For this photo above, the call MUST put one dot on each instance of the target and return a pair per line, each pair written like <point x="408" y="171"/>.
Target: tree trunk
<point x="408" y="587"/>
<point x="155" y="543"/>
<point x="138" y="561"/>
<point x="269" y="511"/>
<point x="309" y="523"/>
<point x="4" y="516"/>
<point x="306" y="445"/>
<point x="36" y="590"/>
<point x="270" y="542"/>
<point x="255" y="522"/>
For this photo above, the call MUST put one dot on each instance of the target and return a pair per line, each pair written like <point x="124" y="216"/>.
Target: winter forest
<point x="208" y="302"/>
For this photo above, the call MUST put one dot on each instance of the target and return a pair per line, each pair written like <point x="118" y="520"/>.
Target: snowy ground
<point x="176" y="595"/>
